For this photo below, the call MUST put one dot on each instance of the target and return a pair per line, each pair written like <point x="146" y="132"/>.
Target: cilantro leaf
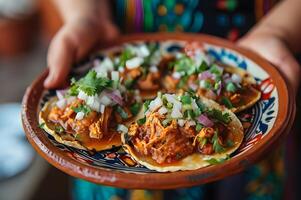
<point x="42" y="125"/>
<point x="135" y="108"/>
<point x="122" y="112"/>
<point x="203" y="67"/>
<point x="219" y="115"/>
<point x="90" y="84"/>
<point x="214" y="161"/>
<point x="185" y="64"/>
<point x="216" y="145"/>
<point x="141" y="121"/>
<point x="82" y="108"/>
<point x="59" y="129"/>
<point x="225" y="101"/>
<point x="125" y="55"/>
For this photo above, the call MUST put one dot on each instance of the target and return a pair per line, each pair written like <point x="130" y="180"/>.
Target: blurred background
<point x="26" y="27"/>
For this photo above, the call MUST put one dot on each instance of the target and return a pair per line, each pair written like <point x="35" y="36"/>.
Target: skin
<point x="86" y="23"/>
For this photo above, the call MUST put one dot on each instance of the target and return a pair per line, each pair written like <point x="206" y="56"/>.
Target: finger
<point x="68" y="46"/>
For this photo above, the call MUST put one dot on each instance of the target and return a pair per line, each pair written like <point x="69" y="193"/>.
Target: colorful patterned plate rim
<point x="266" y="124"/>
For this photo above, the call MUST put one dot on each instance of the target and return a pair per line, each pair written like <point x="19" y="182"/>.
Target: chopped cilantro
<point x="201" y="106"/>
<point x="122" y="112"/>
<point x="42" y="125"/>
<point x="219" y="115"/>
<point x="186" y="99"/>
<point x="146" y="105"/>
<point x="215" y="70"/>
<point x="125" y="55"/>
<point x="152" y="47"/>
<point x="82" y="108"/>
<point x="203" y="67"/>
<point x="73" y="90"/>
<point x="230" y="87"/>
<point x="214" y="161"/>
<point x="135" y="108"/>
<point x="225" y="101"/>
<point x="141" y="121"/>
<point x="59" y="129"/>
<point x="129" y="83"/>
<point x="198" y="127"/>
<point x="169" y="105"/>
<point x="186" y="65"/>
<point x="90" y="84"/>
<point x="197" y="112"/>
<point x="182" y="82"/>
<point x="216" y="145"/>
<point x="229" y="143"/>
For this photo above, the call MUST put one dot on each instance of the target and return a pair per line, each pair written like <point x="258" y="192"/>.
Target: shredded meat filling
<point x="163" y="144"/>
<point x="93" y="125"/>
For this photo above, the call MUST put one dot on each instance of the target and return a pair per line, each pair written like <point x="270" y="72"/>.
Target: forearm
<point x="74" y="10"/>
<point x="284" y="21"/>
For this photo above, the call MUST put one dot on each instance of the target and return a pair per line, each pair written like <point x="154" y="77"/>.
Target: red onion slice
<point x="115" y="96"/>
<point x="204" y="120"/>
<point x="206" y="75"/>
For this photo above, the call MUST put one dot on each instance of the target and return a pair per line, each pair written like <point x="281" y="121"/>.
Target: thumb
<point x="70" y="44"/>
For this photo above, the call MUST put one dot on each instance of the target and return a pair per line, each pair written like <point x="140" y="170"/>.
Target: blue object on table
<point x="15" y="152"/>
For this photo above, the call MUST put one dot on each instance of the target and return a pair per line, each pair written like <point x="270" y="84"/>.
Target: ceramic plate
<point x="265" y="123"/>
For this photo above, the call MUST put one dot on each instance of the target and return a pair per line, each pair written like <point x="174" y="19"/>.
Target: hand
<point x="72" y="42"/>
<point x="275" y="49"/>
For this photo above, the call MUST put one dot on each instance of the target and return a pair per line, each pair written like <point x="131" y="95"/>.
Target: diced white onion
<point x="171" y="98"/>
<point x="181" y="122"/>
<point x="102" y="108"/>
<point x="134" y="62"/>
<point x="236" y="78"/>
<point x="94" y="103"/>
<point x="79" y="116"/>
<point x="121" y="69"/>
<point x="70" y="99"/>
<point x="156" y="103"/>
<point x="103" y="67"/>
<point x="193" y="104"/>
<point x="105" y="100"/>
<point x="83" y="96"/>
<point x="122" y="128"/>
<point x="162" y="110"/>
<point x="142" y="51"/>
<point x="153" y="69"/>
<point x="176" y="113"/>
<point x="59" y="94"/>
<point x="61" y="103"/>
<point x="191" y="123"/>
<point x="115" y="75"/>
<point x="203" y="84"/>
<point x="176" y="75"/>
<point x="102" y="74"/>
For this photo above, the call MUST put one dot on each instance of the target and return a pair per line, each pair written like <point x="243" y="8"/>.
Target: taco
<point x="139" y="67"/>
<point x="91" y="114"/>
<point x="182" y="132"/>
<point x="230" y="86"/>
